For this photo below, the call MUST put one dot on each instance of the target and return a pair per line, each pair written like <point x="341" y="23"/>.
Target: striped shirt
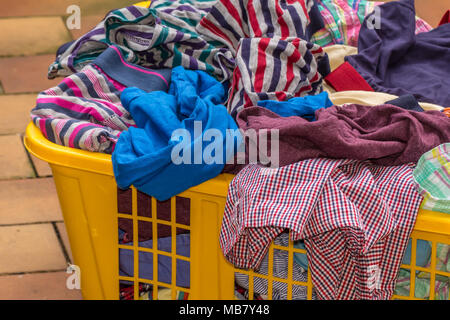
<point x="355" y="219"/>
<point x="162" y="36"/>
<point x="84" y="110"/>
<point x="267" y="38"/>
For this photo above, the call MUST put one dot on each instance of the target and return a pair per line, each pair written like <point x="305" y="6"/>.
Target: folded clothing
<point x="168" y="124"/>
<point x="275" y="32"/>
<point x="393" y="59"/>
<point x="432" y="178"/>
<point x="84" y="110"/>
<point x="385" y="134"/>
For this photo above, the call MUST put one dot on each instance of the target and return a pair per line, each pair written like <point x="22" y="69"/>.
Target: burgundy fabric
<point x="163" y="212"/>
<point x="384" y="134"/>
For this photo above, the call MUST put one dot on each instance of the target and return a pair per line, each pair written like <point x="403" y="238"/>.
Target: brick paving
<point x="34" y="247"/>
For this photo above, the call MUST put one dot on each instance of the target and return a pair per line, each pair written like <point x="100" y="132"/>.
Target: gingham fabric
<point x="355" y="219"/>
<point x="343" y="19"/>
<point x="432" y="178"/>
<point x="267" y="38"/>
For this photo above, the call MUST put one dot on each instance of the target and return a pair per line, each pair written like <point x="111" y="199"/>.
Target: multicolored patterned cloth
<point x="343" y="19"/>
<point x="422" y="282"/>
<point x="355" y="219"/>
<point x="432" y="178"/>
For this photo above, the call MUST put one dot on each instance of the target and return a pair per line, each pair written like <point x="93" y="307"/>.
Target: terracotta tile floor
<point x="34" y="250"/>
<point x="34" y="247"/>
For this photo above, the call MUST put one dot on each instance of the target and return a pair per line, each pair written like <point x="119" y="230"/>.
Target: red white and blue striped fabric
<point x="355" y="219"/>
<point x="229" y="21"/>
<point x="268" y="39"/>
<point x="275" y="69"/>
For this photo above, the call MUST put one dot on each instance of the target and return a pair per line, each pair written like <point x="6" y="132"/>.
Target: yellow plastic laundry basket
<point x="88" y="196"/>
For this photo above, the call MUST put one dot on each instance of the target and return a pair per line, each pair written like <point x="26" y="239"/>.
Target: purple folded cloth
<point x="385" y="134"/>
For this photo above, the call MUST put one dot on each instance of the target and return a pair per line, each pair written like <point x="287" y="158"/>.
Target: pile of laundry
<point x="353" y="95"/>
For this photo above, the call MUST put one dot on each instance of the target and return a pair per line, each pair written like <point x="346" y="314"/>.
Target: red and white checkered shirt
<point x="355" y="218"/>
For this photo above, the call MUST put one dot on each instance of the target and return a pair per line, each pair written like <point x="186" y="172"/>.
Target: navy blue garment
<point x="393" y="59"/>
<point x="126" y="260"/>
<point x="304" y="107"/>
<point x="407" y="102"/>
<point x="182" y="137"/>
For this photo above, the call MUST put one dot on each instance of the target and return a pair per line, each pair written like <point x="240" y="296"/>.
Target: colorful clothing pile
<point x="274" y="60"/>
<point x="164" y="88"/>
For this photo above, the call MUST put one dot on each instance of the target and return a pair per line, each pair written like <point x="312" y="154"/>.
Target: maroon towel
<point x="386" y="134"/>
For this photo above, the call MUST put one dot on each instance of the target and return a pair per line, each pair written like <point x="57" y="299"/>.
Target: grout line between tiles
<point x="61" y="243"/>
<point x="29" y="223"/>
<point x="30" y="272"/>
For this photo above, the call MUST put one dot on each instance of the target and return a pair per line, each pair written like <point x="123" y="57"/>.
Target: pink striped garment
<point x="84" y="110"/>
